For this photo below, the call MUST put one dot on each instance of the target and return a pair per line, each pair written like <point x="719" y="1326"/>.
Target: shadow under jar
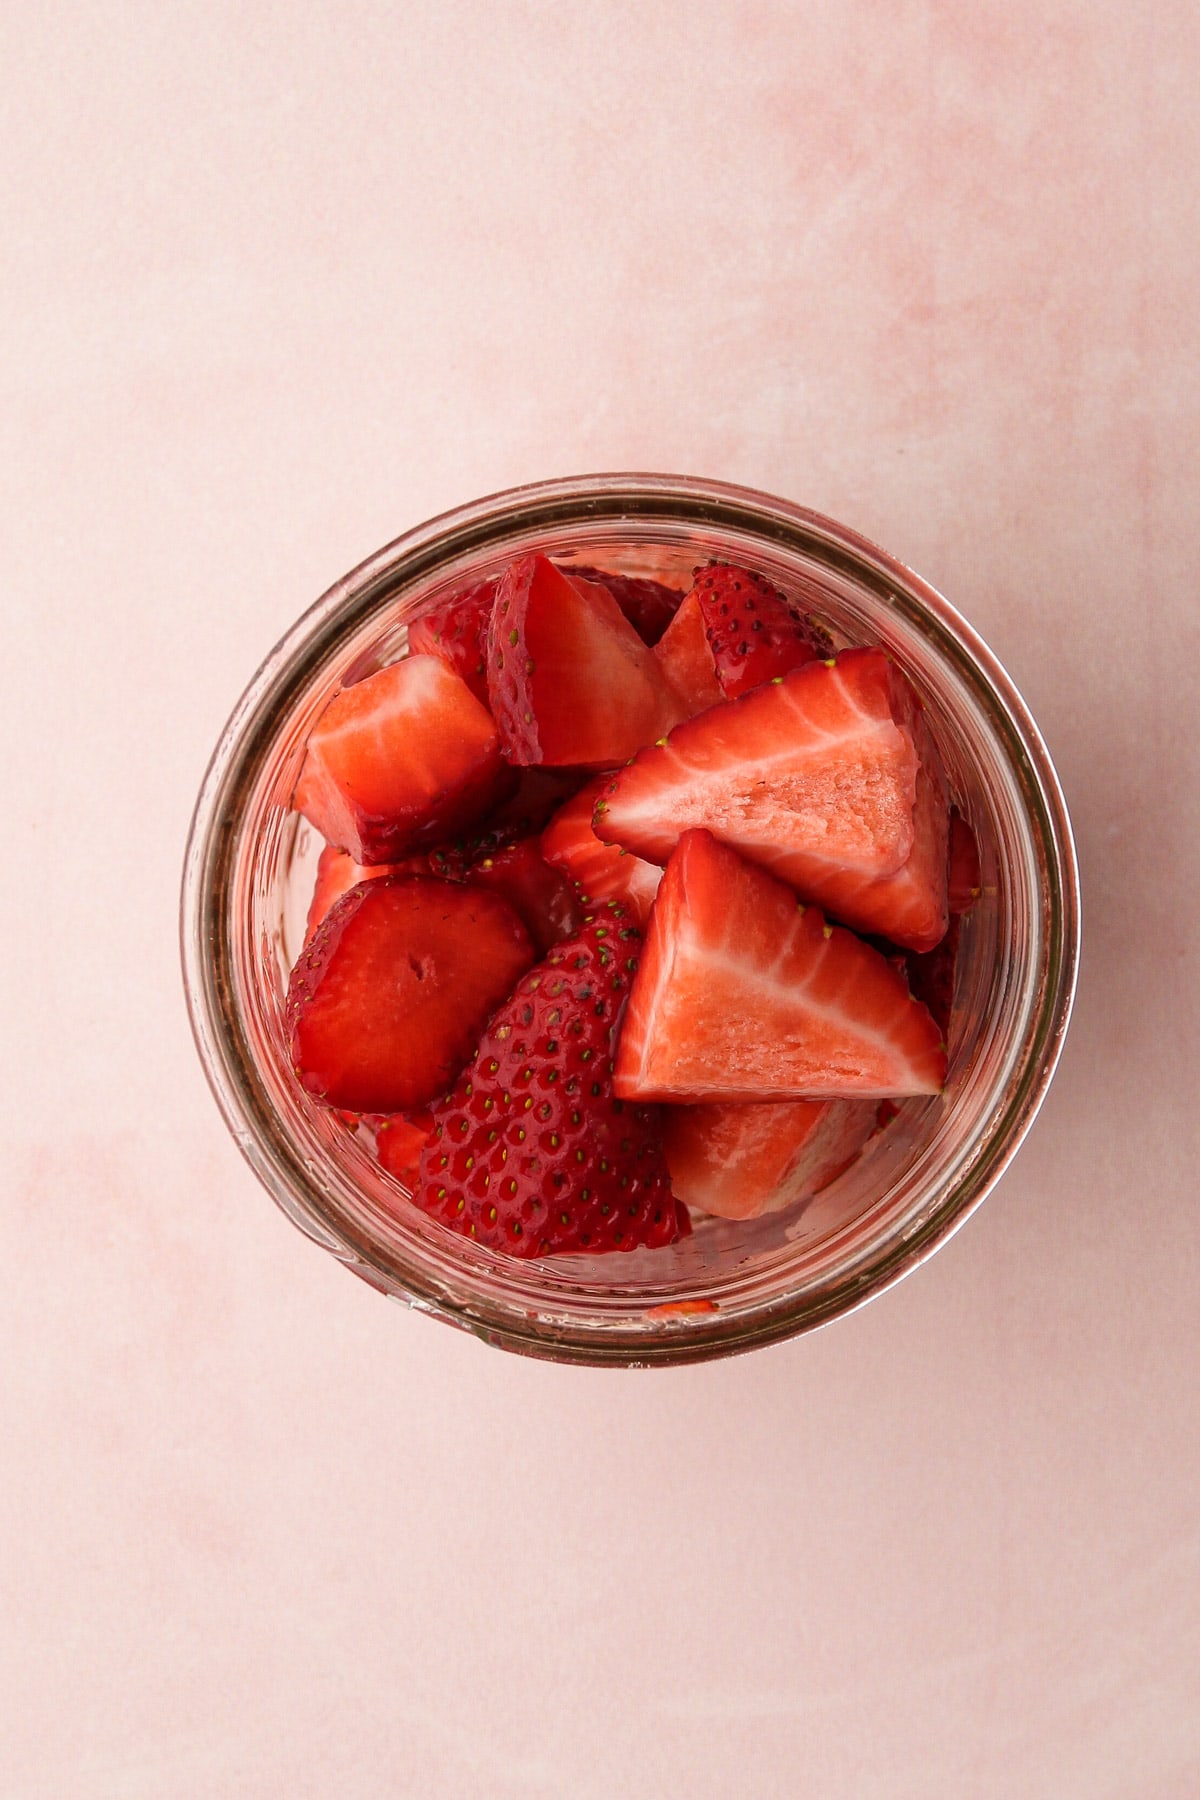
<point x="730" y="1285"/>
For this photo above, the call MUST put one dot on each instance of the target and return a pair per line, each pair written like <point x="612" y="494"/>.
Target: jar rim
<point x="471" y="530"/>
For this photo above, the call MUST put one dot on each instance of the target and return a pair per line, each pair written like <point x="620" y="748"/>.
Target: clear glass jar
<point x="731" y="1285"/>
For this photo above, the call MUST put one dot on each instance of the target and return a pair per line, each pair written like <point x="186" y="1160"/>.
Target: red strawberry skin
<point x="599" y="871"/>
<point x="827" y="776"/>
<point x="405" y="758"/>
<point x="532" y="1154"/>
<point x="648" y="605"/>
<point x="741" y="1160"/>
<point x="569" y="679"/>
<point x="745" y="994"/>
<point x="386" y="1004"/>
<point x="686" y="659"/>
<point x="455" y="630"/>
<point x="751" y="631"/>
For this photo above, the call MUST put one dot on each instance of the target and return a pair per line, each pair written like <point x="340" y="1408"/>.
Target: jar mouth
<point x="739" y="1287"/>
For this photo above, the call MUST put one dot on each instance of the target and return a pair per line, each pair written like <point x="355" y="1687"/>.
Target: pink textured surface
<point x="281" y="280"/>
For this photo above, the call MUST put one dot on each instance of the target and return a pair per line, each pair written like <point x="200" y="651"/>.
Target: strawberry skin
<point x="386" y="1004"/>
<point x="569" y="679"/>
<point x="751" y="631"/>
<point x="687" y="660"/>
<point x="400" y="760"/>
<point x="745" y="994"/>
<point x="648" y="605"/>
<point x="532" y="1154"/>
<point x="827" y="776"/>
<point x="744" y="1159"/>
<point x="599" y="871"/>
<point x="455" y="630"/>
<point x="540" y="895"/>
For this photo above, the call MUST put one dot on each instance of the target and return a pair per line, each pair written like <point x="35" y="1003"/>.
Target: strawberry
<point x="541" y="896"/>
<point x="930" y="975"/>
<point x="532" y="1153"/>
<point x="337" y="873"/>
<point x="828" y="776"/>
<point x="399" y="1140"/>
<point x="745" y="994"/>
<point x="741" y="1160"/>
<point x="386" y="1004"/>
<point x="964" y="878"/>
<point x="570" y="680"/>
<point x="400" y="760"/>
<point x="751" y="630"/>
<point x="648" y="605"/>
<point x="599" y="871"/>
<point x="687" y="660"/>
<point x="455" y="629"/>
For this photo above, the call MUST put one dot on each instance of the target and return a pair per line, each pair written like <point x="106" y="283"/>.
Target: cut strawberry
<point x="931" y="975"/>
<point x="687" y="660"/>
<point x="600" y="871"/>
<point x="386" y="1004"/>
<point x="400" y="760"/>
<point x="455" y="630"/>
<point x="744" y="994"/>
<point x="741" y="1160"/>
<point x="399" y="1140"/>
<point x="337" y="873"/>
<point x="964" y="877"/>
<point x="827" y="776"/>
<point x="531" y="1153"/>
<point x="541" y="896"/>
<point x="751" y="630"/>
<point x="570" y="680"/>
<point x="648" y="605"/>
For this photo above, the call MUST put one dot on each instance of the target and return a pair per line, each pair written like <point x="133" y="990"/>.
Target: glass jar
<point x="730" y="1285"/>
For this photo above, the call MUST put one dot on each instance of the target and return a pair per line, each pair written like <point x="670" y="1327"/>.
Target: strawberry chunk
<point x="687" y="661"/>
<point x="599" y="871"/>
<point x="744" y="994"/>
<point x="964" y="877"/>
<point x="399" y="1141"/>
<point x="455" y="630"/>
<point x="648" y="605"/>
<point x="400" y="760"/>
<point x="337" y="873"/>
<point x="541" y="896"/>
<point x="532" y="1153"/>
<point x="741" y="1160"/>
<point x="751" y="630"/>
<point x="570" y="680"/>
<point x="386" y="1004"/>
<point x="827" y="776"/>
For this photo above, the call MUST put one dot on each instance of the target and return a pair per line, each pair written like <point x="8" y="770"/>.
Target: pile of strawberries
<point x="631" y="902"/>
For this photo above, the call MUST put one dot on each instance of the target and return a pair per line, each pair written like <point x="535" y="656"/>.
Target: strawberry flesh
<point x="740" y="1160"/>
<point x="401" y="760"/>
<point x="540" y="895"/>
<point x="455" y="630"/>
<point x="648" y="605"/>
<point x="399" y="1140"/>
<point x="532" y="1153"/>
<point x="386" y="1004"/>
<point x="569" y="679"/>
<point x="744" y="994"/>
<point x="599" y="871"/>
<point x="687" y="660"/>
<point x="337" y="873"/>
<point x="751" y="631"/>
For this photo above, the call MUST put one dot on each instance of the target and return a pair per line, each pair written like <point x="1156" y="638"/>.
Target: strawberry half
<point x="751" y="631"/>
<point x="687" y="660"/>
<point x="569" y="679"/>
<point x="599" y="871"/>
<point x="386" y="1004"/>
<point x="455" y="630"/>
<point x="400" y="760"/>
<point x="648" y="605"/>
<point x="827" y="776"/>
<point x="741" y="1160"/>
<point x="531" y="1153"/>
<point x="744" y="994"/>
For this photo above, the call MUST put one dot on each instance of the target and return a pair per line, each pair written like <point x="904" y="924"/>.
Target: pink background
<point x="281" y="280"/>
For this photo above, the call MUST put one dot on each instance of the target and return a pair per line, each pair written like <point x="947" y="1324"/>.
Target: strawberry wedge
<point x="741" y="1160"/>
<point x="599" y="871"/>
<point x="827" y="776"/>
<point x="745" y="994"/>
<point x="570" y="680"/>
<point x="401" y="760"/>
